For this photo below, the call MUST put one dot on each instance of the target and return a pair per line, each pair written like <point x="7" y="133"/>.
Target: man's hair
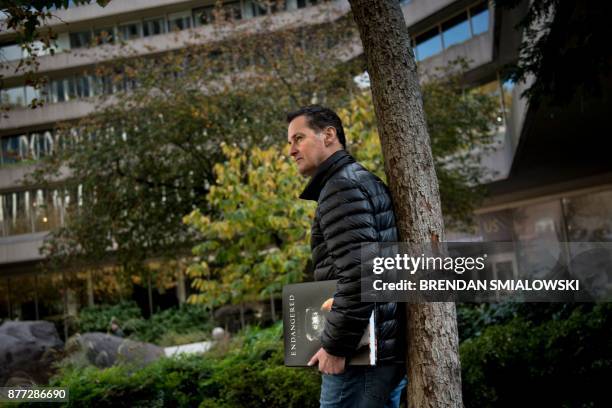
<point x="318" y="118"/>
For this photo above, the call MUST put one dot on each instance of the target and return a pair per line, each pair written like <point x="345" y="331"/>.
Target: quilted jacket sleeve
<point x="347" y="221"/>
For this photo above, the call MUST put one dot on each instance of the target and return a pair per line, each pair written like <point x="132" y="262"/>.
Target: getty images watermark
<point x="535" y="271"/>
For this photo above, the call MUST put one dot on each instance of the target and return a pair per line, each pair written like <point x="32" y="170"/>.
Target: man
<point x="354" y="207"/>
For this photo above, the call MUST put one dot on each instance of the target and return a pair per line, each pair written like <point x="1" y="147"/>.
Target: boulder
<point x="104" y="350"/>
<point x="27" y="350"/>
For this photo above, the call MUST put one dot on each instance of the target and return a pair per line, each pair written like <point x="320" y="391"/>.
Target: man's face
<point x="307" y="147"/>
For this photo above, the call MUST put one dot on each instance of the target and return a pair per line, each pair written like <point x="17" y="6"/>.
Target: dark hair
<point x="318" y="118"/>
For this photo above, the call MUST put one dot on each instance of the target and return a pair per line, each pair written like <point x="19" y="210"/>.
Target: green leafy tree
<point x="564" y="47"/>
<point x="145" y="157"/>
<point x="256" y="237"/>
<point x="461" y="125"/>
<point x="256" y="241"/>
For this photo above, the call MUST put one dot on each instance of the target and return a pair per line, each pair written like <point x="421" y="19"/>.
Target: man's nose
<point x="293" y="151"/>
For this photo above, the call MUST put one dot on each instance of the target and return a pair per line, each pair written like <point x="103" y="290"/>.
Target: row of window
<point x="463" y="26"/>
<point x="232" y="10"/>
<point x="29" y="146"/>
<point x="25" y="212"/>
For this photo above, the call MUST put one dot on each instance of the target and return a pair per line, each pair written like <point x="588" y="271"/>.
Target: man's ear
<point x="330" y="135"/>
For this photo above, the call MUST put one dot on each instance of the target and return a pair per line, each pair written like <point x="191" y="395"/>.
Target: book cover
<point x="305" y="307"/>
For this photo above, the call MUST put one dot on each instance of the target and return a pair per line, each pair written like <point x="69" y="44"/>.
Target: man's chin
<point x="305" y="172"/>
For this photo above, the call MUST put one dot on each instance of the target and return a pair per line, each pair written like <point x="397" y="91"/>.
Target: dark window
<point x="480" y="18"/>
<point x="428" y="44"/>
<point x="180" y="23"/>
<point x="129" y="31"/>
<point x="456" y="30"/>
<point x="203" y="15"/>
<point x="104" y="35"/>
<point x="154" y="27"/>
<point x="80" y="40"/>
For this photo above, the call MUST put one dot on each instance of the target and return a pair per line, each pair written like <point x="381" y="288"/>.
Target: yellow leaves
<point x="197" y="220"/>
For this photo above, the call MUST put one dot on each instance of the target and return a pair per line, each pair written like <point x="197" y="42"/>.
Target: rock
<point x="27" y="350"/>
<point x="104" y="350"/>
<point x="229" y="315"/>
<point x="218" y="333"/>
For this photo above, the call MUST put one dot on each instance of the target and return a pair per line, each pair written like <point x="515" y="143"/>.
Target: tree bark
<point x="434" y="371"/>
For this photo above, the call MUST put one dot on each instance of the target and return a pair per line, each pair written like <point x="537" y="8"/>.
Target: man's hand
<point x="328" y="364"/>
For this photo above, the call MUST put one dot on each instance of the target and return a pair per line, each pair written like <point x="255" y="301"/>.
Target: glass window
<point x="80" y="40"/>
<point x="259" y="8"/>
<point x="428" y="44"/>
<point x="480" y="18"/>
<point x="71" y="89"/>
<point x="129" y="31"/>
<point x="31" y="94"/>
<point x="233" y="11"/>
<point x="589" y="217"/>
<point x="179" y="21"/>
<point x="10" y="150"/>
<point x="539" y="232"/>
<point x="203" y="15"/>
<point x="10" y="52"/>
<point x="456" y="30"/>
<point x="82" y="86"/>
<point x="58" y="91"/>
<point x="14" y="96"/>
<point x="154" y="26"/>
<point x="104" y="35"/>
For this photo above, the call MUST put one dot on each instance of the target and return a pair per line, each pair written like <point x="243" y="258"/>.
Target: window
<point x="259" y="8"/>
<point x="104" y="35"/>
<point x="301" y="3"/>
<point x="31" y="94"/>
<point x="83" y="89"/>
<point x="70" y="86"/>
<point x="130" y="31"/>
<point x="206" y="15"/>
<point x="80" y="40"/>
<point x="428" y="44"/>
<point x="203" y="15"/>
<point x="10" y="52"/>
<point x="456" y="30"/>
<point x="179" y="21"/>
<point x="14" y="96"/>
<point x="154" y="27"/>
<point x="480" y="18"/>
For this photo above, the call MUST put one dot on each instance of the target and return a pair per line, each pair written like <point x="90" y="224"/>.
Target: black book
<point x="305" y="306"/>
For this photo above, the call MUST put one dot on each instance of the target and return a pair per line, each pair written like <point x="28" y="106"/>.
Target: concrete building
<point x="528" y="195"/>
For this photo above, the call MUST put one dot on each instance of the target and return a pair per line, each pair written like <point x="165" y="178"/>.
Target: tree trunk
<point x="242" y="321"/>
<point x="90" y="293"/>
<point x="150" y="292"/>
<point x="272" y="307"/>
<point x="434" y="372"/>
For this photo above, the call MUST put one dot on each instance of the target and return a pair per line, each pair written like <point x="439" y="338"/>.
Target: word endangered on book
<point x="305" y="307"/>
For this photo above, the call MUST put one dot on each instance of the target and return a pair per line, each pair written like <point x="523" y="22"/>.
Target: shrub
<point x="251" y="374"/>
<point x="189" y="323"/>
<point x="562" y="362"/>
<point x="97" y="318"/>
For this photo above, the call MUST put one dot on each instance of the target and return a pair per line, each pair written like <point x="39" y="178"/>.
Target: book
<point x="305" y="307"/>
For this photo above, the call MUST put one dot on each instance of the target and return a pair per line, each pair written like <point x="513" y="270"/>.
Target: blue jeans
<point x="363" y="387"/>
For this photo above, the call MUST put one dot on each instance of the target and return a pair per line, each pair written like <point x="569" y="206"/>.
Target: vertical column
<point x="36" y="313"/>
<point x="181" y="292"/>
<point x="90" y="293"/>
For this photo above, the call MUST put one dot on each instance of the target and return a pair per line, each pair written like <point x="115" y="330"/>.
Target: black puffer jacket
<point x="354" y="207"/>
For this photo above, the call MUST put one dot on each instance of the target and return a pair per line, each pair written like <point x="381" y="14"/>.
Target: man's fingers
<point x="314" y="359"/>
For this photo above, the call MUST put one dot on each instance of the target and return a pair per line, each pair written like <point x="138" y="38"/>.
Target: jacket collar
<point x="332" y="164"/>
